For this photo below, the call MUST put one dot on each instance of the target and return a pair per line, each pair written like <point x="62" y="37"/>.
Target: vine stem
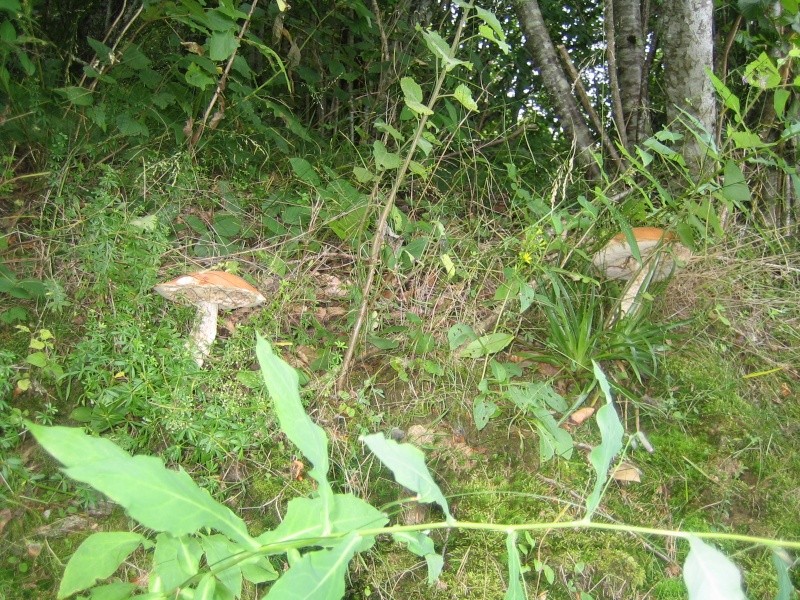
<point x="380" y="228"/>
<point x="584" y="524"/>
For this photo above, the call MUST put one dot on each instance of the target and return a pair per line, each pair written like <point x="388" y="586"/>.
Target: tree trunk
<point x="558" y="86"/>
<point x="630" y="36"/>
<point x="688" y="45"/>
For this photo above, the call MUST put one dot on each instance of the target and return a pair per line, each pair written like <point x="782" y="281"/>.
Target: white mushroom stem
<point x="632" y="291"/>
<point x="204" y="331"/>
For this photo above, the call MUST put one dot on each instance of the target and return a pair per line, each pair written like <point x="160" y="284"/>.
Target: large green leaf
<point x="311" y="518"/>
<point x="407" y="462"/>
<point x="412" y="94"/>
<point x="222" y="45"/>
<point x="98" y="557"/>
<point x="283" y="386"/>
<point x="710" y="575"/>
<point x="157" y="497"/>
<point x="611" y="432"/>
<point x="317" y="575"/>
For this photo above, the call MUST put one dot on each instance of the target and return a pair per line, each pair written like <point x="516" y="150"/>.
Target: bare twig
<point x="613" y="82"/>
<point x="587" y="106"/>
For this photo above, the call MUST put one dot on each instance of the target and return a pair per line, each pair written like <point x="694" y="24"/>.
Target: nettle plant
<point x="201" y="549"/>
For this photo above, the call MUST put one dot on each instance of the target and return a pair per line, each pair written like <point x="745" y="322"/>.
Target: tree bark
<point x="572" y="121"/>
<point x="630" y="36"/>
<point x="688" y="45"/>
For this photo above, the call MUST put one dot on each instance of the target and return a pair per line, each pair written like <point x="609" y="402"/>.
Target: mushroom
<point x="210" y="291"/>
<point x="661" y="254"/>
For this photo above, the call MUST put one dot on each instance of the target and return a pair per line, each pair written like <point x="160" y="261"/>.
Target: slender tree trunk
<point x="630" y="37"/>
<point x="688" y="45"/>
<point x="558" y="86"/>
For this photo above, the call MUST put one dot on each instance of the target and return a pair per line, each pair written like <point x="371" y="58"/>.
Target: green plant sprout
<point x="201" y="549"/>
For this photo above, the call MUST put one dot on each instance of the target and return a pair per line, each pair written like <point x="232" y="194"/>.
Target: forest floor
<point x="709" y="374"/>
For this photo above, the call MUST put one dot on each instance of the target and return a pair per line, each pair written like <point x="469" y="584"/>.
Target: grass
<point x="718" y="401"/>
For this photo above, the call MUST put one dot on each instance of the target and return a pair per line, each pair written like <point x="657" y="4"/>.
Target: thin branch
<point x="222" y="83"/>
<point x="613" y="82"/>
<point x="380" y="226"/>
<point x="587" y="106"/>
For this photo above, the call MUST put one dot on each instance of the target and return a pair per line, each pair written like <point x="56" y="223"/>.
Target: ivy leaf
<point x="463" y="94"/>
<point x="407" y="462"/>
<point x="710" y="575"/>
<point x="98" y="557"/>
<point x="283" y="386"/>
<point x="611" y="433"/>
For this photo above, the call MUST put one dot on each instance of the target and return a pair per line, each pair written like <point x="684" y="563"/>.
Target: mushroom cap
<point x="224" y="289"/>
<point x="616" y="258"/>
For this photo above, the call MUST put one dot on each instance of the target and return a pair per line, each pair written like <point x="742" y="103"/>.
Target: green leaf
<point x="734" y="186"/>
<point x="516" y="586"/>
<point x="482" y="411"/>
<point x="77" y="95"/>
<point x="227" y="226"/>
<point x="319" y="574"/>
<point x="98" y="557"/>
<point x="420" y="544"/>
<point x="222" y="45"/>
<point x="304" y="171"/>
<point x="407" y="462"/>
<point x="383" y="158"/>
<point x="710" y="575"/>
<point x="362" y="175"/>
<point x="197" y="77"/>
<point x="459" y="334"/>
<point x="463" y="94"/>
<point x="206" y="589"/>
<point x="489" y="34"/>
<point x="311" y="518"/>
<point x="418" y="169"/>
<point x="611" y="432"/>
<point x="782" y="562"/>
<point x="745" y="139"/>
<point x="762" y="73"/>
<point x="412" y="93"/>
<point x="11" y="6"/>
<point x="729" y="99"/>
<point x="553" y="440"/>
<point x="486" y="345"/>
<point x="537" y="394"/>
<point x="175" y="560"/>
<point x="779" y="101"/>
<point x="37" y="359"/>
<point x="441" y="50"/>
<point x="120" y="590"/>
<point x="157" y="497"/>
<point x="217" y="550"/>
<point x="283" y="386"/>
